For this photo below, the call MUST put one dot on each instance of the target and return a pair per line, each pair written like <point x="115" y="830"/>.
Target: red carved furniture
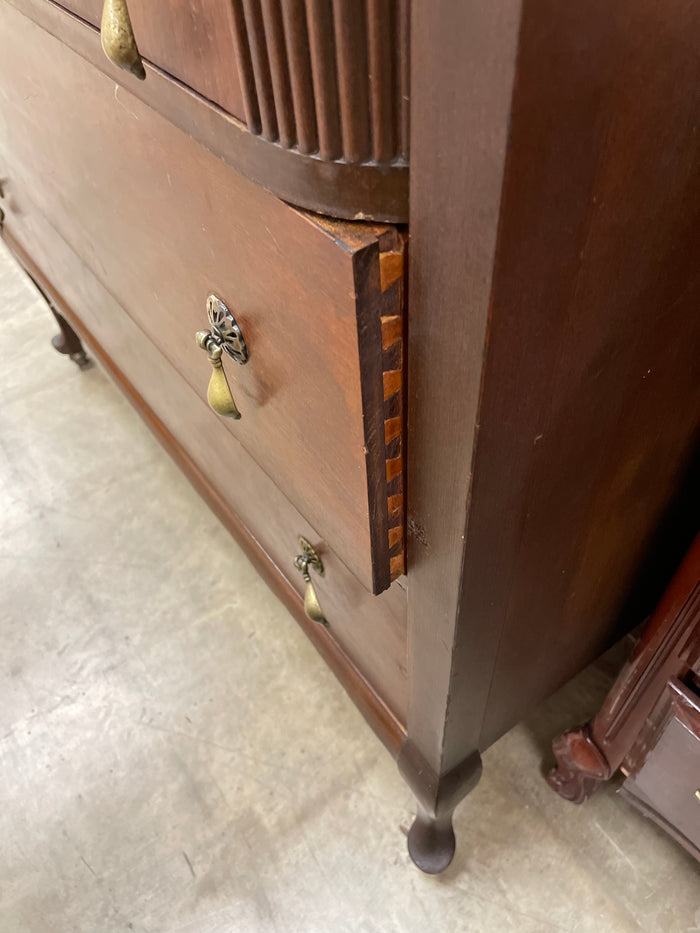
<point x="649" y="724"/>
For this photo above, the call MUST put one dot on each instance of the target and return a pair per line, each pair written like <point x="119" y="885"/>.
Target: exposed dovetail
<point x="392" y="383"/>
<point x="392" y="331"/>
<point x="393" y="468"/>
<point x="390" y="268"/>
<point x="392" y="429"/>
<point x="397" y="566"/>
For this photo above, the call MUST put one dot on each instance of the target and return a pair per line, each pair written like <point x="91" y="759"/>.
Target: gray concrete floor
<point x="176" y="757"/>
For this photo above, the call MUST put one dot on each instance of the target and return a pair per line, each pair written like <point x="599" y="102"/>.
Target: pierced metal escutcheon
<point x="224" y="337"/>
<point x="309" y="558"/>
<point x="225" y="330"/>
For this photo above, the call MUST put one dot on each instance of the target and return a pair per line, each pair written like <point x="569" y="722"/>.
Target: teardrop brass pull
<point x="309" y="558"/>
<point x="218" y="391"/>
<point x="118" y="40"/>
<point x="225" y="334"/>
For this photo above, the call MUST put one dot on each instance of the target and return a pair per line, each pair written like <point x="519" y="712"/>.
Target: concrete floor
<point x="176" y="757"/>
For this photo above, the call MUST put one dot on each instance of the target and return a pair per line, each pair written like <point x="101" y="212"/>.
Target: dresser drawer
<point x="163" y="223"/>
<point x="665" y="785"/>
<point x="370" y="630"/>
<point x="192" y="40"/>
<point x="309" y="102"/>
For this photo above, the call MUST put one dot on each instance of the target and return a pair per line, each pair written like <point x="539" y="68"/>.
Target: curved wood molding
<point x="342" y="103"/>
<point x="329" y="79"/>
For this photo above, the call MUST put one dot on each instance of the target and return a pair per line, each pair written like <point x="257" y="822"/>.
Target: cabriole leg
<point x="68" y="342"/>
<point x="431" y="839"/>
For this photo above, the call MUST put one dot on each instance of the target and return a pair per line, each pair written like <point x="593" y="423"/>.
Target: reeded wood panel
<point x="309" y="100"/>
<point x="327" y="76"/>
<point x="307" y="296"/>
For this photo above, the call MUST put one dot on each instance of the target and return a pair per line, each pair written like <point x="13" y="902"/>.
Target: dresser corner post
<point x="431" y="839"/>
<point x="454" y="212"/>
<point x="68" y="342"/>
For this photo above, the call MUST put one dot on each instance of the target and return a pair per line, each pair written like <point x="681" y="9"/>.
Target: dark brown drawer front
<point x="163" y="223"/>
<point x="371" y="630"/>
<point x="192" y="40"/>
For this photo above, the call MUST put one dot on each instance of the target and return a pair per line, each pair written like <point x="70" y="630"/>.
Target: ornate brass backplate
<point x="224" y="337"/>
<point x="225" y="330"/>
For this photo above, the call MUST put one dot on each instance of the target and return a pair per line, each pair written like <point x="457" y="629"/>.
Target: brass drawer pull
<point x="118" y="39"/>
<point x="309" y="558"/>
<point x="225" y="335"/>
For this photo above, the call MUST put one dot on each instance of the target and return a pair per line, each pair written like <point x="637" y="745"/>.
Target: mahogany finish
<point x="367" y="634"/>
<point x="543" y="386"/>
<point x="192" y="40"/>
<point x="327" y="79"/>
<point x="331" y="67"/>
<point x="593" y="342"/>
<point x="309" y="302"/>
<point x="649" y="724"/>
<point x="554" y="392"/>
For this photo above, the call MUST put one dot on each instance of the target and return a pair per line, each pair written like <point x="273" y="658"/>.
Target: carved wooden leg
<point x="68" y="342"/>
<point x="431" y="839"/>
<point x="590" y="755"/>
<point x="581" y="766"/>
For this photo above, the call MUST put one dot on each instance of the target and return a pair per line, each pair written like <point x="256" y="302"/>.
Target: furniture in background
<point x="465" y="476"/>
<point x="649" y="724"/>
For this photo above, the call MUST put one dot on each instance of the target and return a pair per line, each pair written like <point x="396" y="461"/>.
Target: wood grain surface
<point x="117" y="182"/>
<point x="553" y="457"/>
<point x="455" y="202"/>
<point x="323" y="78"/>
<point x="190" y="39"/>
<point x="584" y="497"/>
<point x="366" y="641"/>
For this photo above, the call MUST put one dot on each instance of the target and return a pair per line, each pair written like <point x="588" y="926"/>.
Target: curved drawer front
<point x="318" y="90"/>
<point x="163" y="224"/>
<point x="192" y="40"/>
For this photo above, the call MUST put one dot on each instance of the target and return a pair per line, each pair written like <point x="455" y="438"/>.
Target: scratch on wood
<point x="417" y="531"/>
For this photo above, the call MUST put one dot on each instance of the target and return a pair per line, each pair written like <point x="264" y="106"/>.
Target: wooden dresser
<point x="465" y="476"/>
